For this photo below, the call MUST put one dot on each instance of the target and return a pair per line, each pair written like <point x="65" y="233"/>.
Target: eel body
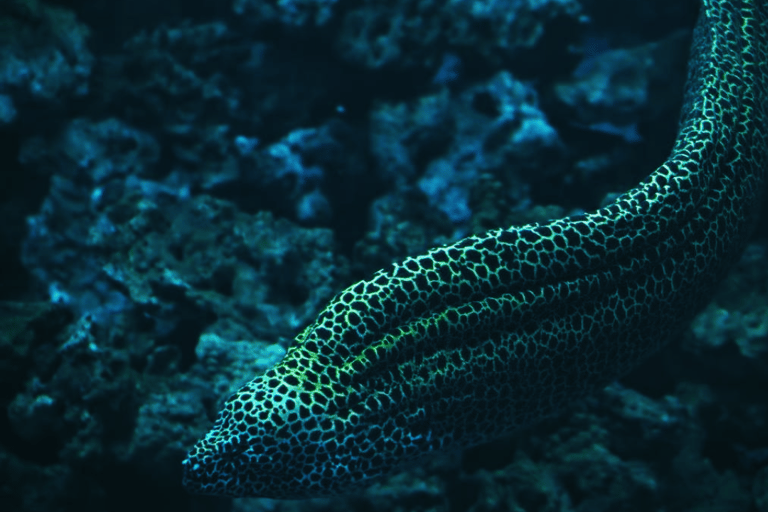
<point x="476" y="339"/>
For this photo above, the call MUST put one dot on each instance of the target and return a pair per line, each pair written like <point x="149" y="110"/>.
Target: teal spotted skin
<point x="474" y="340"/>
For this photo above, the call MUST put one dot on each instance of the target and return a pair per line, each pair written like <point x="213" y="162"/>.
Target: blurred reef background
<point x="184" y="184"/>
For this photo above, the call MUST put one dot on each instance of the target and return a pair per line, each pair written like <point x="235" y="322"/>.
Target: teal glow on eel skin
<point x="473" y="340"/>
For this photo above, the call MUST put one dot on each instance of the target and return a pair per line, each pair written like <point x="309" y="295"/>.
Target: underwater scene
<point x="383" y="255"/>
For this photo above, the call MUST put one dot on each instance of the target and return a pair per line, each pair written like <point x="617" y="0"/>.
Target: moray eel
<point x="476" y="339"/>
